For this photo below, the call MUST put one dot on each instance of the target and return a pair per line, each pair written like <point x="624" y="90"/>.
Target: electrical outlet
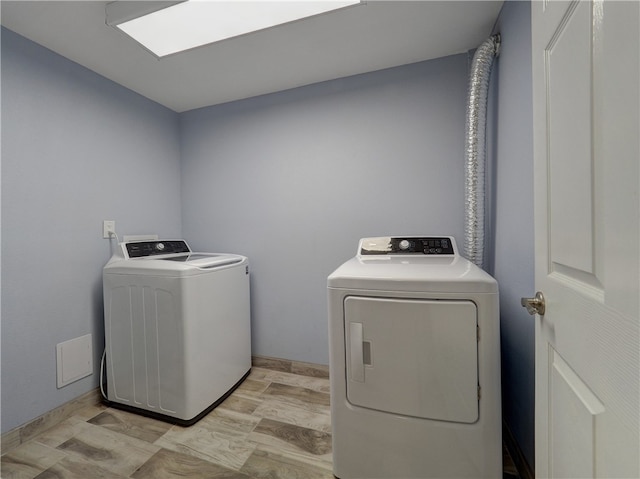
<point x="108" y="227"/>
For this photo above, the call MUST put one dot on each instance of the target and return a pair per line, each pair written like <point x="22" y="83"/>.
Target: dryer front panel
<point x="413" y="357"/>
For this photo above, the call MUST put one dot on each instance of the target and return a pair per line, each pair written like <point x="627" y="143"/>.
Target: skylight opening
<point x="194" y="23"/>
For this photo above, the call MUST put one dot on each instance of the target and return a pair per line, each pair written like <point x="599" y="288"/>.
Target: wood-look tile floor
<point x="276" y="425"/>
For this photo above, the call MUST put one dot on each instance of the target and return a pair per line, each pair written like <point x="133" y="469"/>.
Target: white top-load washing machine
<point x="414" y="363"/>
<point x="177" y="328"/>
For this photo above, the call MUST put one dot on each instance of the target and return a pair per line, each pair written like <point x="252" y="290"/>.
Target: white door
<point x="586" y="98"/>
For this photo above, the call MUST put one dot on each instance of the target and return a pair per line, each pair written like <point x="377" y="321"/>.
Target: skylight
<point x="194" y="23"/>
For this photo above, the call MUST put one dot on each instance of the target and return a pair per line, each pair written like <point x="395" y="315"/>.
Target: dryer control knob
<point x="160" y="246"/>
<point x="404" y="245"/>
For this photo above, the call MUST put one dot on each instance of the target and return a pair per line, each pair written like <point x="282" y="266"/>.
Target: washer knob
<point x="404" y="245"/>
<point x="160" y="246"/>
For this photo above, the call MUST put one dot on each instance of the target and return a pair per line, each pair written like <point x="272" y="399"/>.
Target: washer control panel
<point x="140" y="249"/>
<point x="431" y="245"/>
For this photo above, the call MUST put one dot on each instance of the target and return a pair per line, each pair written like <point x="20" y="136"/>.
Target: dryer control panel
<point x="401" y="245"/>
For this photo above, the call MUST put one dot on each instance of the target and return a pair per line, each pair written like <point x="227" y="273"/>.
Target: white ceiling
<point x="371" y="36"/>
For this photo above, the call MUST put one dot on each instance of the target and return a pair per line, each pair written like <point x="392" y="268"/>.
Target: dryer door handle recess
<point x="356" y="360"/>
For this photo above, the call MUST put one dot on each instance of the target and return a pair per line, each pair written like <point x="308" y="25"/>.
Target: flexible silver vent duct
<point x="475" y="149"/>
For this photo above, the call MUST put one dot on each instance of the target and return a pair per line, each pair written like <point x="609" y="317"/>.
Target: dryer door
<point x="413" y="357"/>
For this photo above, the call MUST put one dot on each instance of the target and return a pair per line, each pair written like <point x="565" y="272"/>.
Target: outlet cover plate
<point x="108" y="226"/>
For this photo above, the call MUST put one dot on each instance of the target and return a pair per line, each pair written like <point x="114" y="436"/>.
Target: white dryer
<point x="414" y="343"/>
<point x="177" y="328"/>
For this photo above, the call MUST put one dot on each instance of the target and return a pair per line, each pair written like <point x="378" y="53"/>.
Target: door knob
<point x="535" y="305"/>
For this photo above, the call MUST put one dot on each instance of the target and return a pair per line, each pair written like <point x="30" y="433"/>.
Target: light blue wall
<point x="513" y="228"/>
<point x="294" y="179"/>
<point x="76" y="149"/>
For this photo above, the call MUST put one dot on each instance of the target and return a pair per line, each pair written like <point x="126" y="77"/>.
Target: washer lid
<point x="181" y="265"/>
<point x="167" y="258"/>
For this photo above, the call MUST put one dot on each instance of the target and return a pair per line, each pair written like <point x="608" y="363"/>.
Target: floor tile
<point x="266" y="465"/>
<point x="213" y="439"/>
<point x="297" y="394"/>
<point x="312" y="370"/>
<point x="267" y="375"/>
<point x="315" y="384"/>
<point x="312" y="416"/>
<point x="251" y="387"/>
<point x="238" y="403"/>
<point x="288" y="436"/>
<point x="297" y="455"/>
<point x="77" y="468"/>
<point x="271" y="363"/>
<point x="113" y="451"/>
<point x="132" y="425"/>
<point x="90" y="412"/>
<point x="28" y="460"/>
<point x="174" y="465"/>
<point x="62" y="432"/>
<point x="230" y="422"/>
<point x="53" y="417"/>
